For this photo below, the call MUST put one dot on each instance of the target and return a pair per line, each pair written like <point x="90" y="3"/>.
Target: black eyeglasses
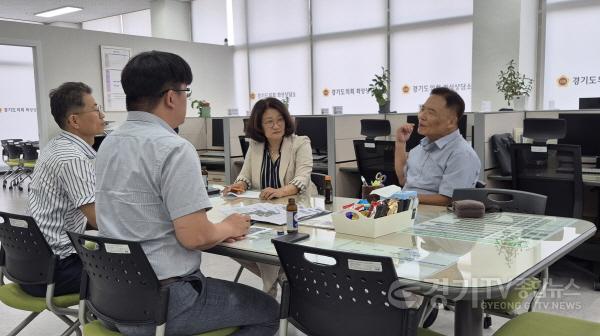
<point x="188" y="90"/>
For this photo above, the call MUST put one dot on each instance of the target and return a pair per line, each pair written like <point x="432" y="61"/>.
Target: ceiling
<point x="92" y="9"/>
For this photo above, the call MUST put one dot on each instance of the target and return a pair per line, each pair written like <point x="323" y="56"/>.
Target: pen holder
<point x="373" y="227"/>
<point x="366" y="190"/>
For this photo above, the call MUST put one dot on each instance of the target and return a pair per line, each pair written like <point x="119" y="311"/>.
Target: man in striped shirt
<point x="62" y="191"/>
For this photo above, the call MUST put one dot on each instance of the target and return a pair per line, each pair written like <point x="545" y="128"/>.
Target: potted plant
<point x="203" y="108"/>
<point x="380" y="90"/>
<point x="513" y="84"/>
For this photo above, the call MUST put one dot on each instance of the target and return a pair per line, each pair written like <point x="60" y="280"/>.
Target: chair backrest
<point x="14" y="150"/>
<point x="372" y="128"/>
<point x="348" y="298"/>
<point x="30" y="152"/>
<point x="244" y="144"/>
<point x="551" y="170"/>
<point x="376" y="156"/>
<point x="319" y="180"/>
<point x="118" y="283"/>
<point x="24" y="254"/>
<point x="504" y="199"/>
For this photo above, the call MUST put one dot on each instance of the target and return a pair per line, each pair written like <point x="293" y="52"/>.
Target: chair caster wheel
<point x="487" y="322"/>
<point x="431" y="318"/>
<point x="20" y="188"/>
<point x="597" y="285"/>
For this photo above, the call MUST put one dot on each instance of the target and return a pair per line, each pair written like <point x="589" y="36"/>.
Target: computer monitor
<point x="591" y="103"/>
<point x="582" y="130"/>
<point x="316" y="129"/>
<point x="415" y="137"/>
<point x="217" y="133"/>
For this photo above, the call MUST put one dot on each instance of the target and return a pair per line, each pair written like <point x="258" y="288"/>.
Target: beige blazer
<point x="295" y="166"/>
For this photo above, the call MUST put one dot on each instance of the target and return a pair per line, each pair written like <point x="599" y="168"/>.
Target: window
<point x="18" y="106"/>
<point x="282" y="71"/>
<point x="335" y="59"/>
<point x="431" y="45"/>
<point x="571" y="54"/>
<point x="343" y="69"/>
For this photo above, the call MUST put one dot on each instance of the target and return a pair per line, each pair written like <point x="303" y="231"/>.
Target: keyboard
<point x="587" y="170"/>
<point x="212" y="154"/>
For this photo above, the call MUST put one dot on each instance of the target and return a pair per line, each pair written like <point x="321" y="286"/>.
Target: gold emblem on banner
<point x="326" y="92"/>
<point x="563" y="81"/>
<point x="405" y="89"/>
<point x="252" y="95"/>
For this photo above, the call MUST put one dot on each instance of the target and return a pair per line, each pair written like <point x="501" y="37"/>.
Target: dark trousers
<point x="67" y="278"/>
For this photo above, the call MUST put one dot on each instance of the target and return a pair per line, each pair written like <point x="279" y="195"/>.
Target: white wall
<point x="74" y="55"/>
<point x="171" y="19"/>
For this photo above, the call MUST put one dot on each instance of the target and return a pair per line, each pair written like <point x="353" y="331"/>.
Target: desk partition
<point x="488" y="124"/>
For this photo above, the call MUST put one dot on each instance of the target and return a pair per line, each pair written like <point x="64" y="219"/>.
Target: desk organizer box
<point x="373" y="228"/>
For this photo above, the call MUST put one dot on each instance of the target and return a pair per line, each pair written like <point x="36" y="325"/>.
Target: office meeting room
<point x="300" y="167"/>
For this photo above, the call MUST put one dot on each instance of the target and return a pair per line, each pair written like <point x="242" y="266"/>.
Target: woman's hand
<point x="271" y="193"/>
<point x="237" y="188"/>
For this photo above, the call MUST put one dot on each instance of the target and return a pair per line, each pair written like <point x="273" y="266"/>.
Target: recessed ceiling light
<point x="58" y="11"/>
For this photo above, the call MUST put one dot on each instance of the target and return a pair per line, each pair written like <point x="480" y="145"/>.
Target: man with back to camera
<point x="150" y="190"/>
<point x="61" y="196"/>
<point x="444" y="160"/>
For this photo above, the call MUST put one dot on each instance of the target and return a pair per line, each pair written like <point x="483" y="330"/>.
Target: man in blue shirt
<point x="150" y="190"/>
<point x="444" y="160"/>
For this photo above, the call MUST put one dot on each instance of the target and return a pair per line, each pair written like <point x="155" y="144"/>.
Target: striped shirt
<point x="63" y="180"/>
<point x="269" y="171"/>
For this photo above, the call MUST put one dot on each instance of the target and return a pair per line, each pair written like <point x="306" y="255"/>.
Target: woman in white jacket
<point x="278" y="163"/>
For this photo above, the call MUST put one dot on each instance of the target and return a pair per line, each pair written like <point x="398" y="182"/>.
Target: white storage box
<point x="373" y="228"/>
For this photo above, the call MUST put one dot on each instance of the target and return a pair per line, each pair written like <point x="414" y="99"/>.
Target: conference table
<point x="464" y="261"/>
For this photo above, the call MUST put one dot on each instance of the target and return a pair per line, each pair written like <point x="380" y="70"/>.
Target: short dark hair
<point x="255" y="128"/>
<point x="453" y="100"/>
<point x="148" y="74"/>
<point x="65" y="98"/>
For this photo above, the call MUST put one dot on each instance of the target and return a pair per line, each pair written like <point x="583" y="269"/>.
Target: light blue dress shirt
<point x="441" y="166"/>
<point x="147" y="176"/>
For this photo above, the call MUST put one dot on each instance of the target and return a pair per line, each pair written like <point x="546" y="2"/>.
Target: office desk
<point x="590" y="180"/>
<point x="437" y="259"/>
<point x="350" y="170"/>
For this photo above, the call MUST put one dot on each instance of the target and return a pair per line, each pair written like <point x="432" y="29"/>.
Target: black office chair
<point x="343" y="298"/>
<point x="319" y="180"/>
<point x="244" y="144"/>
<point x="30" y="156"/>
<point x="26" y="258"/>
<point x="14" y="151"/>
<point x="119" y="286"/>
<point x="555" y="172"/>
<point x="504" y="199"/>
<point x="376" y="156"/>
<point x="510" y="201"/>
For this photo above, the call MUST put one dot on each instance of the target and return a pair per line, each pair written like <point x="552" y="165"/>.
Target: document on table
<point x="246" y="194"/>
<point x="273" y="213"/>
